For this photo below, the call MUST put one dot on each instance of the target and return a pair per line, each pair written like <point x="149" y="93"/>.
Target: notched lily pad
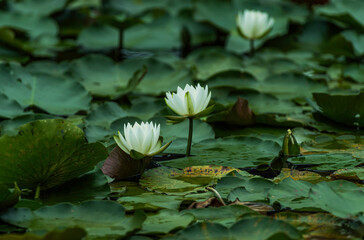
<point x="99" y="218"/>
<point x="47" y="153"/>
<point x="343" y="108"/>
<point x="74" y="233"/>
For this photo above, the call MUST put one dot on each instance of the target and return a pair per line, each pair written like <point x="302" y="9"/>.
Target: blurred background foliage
<point x="99" y="64"/>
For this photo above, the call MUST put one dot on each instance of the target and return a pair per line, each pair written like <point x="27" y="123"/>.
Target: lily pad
<point x="98" y="36"/>
<point x="39" y="90"/>
<point x="47" y="153"/>
<point x="99" y="218"/>
<point x="150" y="201"/>
<point x="91" y="185"/>
<point x="11" y="127"/>
<point x="254" y="228"/>
<point x="166" y="221"/>
<point x="9" y="197"/>
<point x="237" y="152"/>
<point x="225" y="215"/>
<point x="161" y="180"/>
<point x="103" y="77"/>
<point x="9" y="108"/>
<point x="342" y="108"/>
<point x="345" y="204"/>
<point x="74" y="233"/>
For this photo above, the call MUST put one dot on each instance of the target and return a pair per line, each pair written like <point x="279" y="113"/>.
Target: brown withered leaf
<point x="211" y="202"/>
<point x="256" y="206"/>
<point x="120" y="165"/>
<point x="240" y="113"/>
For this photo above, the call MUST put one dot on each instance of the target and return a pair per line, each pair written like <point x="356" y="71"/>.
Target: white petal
<point x="120" y="143"/>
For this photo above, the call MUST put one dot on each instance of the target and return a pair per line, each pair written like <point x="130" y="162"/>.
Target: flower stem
<point x="252" y="50"/>
<point x="189" y="141"/>
<point x="37" y="193"/>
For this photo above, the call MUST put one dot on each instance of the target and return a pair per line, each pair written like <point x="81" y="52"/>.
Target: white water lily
<point x="140" y="140"/>
<point x="254" y="24"/>
<point x="190" y="101"/>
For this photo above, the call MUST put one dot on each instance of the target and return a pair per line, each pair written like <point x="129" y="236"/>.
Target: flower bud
<point x="290" y="147"/>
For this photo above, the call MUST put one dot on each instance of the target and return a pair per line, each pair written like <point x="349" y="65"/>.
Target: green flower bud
<point x="290" y="147"/>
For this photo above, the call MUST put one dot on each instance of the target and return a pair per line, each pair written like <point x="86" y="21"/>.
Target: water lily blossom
<point x="141" y="140"/>
<point x="254" y="25"/>
<point x="190" y="102"/>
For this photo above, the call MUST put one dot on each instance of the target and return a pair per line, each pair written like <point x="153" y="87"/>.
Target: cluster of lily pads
<point x="87" y="89"/>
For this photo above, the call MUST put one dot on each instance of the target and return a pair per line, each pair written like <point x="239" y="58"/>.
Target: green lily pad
<point x="329" y="161"/>
<point x="244" y="195"/>
<point x="324" y="225"/>
<point x="288" y="86"/>
<point x="289" y="193"/>
<point x="162" y="33"/>
<point x="204" y="230"/>
<point x="161" y="180"/>
<point x="44" y="8"/>
<point x="8" y="197"/>
<point x="202" y="131"/>
<point x="74" y="233"/>
<point x="47" y="153"/>
<point x="237" y="152"/>
<point x="166" y="221"/>
<point x="103" y="77"/>
<point x="208" y="62"/>
<point x="344" y="204"/>
<point x="34" y="25"/>
<point x="150" y="201"/>
<point x="39" y="90"/>
<point x="98" y="122"/>
<point x="342" y="108"/>
<point x="225" y="215"/>
<point x="9" y="108"/>
<point x="11" y="127"/>
<point x="91" y="185"/>
<point x="351" y="174"/>
<point x="263" y="228"/>
<point x="337" y="8"/>
<point x="252" y="228"/>
<point x="161" y="77"/>
<point x="99" y="218"/>
<point x="98" y="36"/>
<point x="132" y="7"/>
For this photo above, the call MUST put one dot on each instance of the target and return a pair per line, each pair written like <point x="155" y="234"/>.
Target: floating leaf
<point x="351" y="174"/>
<point x="98" y="36"/>
<point x="99" y="218"/>
<point x="225" y="215"/>
<point x="9" y="108"/>
<point x="161" y="180"/>
<point x="8" y="197"/>
<point x="150" y="201"/>
<point x="253" y="228"/>
<point x="39" y="90"/>
<point x="342" y="108"/>
<point x="237" y="152"/>
<point x="47" y="153"/>
<point x="166" y="221"/>
<point x="74" y="233"/>
<point x="344" y="204"/>
<point x="91" y="185"/>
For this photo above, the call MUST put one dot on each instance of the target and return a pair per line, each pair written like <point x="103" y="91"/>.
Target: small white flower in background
<point x="254" y="24"/>
<point x="190" y="101"/>
<point x="140" y="140"/>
